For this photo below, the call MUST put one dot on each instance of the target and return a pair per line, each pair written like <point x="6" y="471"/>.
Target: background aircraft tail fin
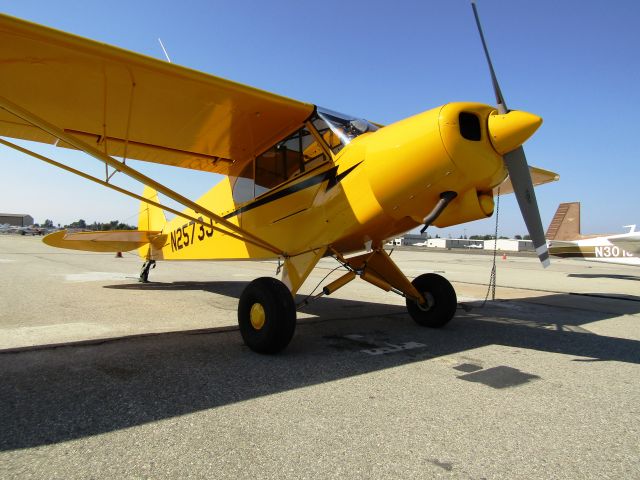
<point x="565" y="224"/>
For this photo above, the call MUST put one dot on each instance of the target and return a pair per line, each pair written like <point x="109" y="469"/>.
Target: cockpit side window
<point x="298" y="153"/>
<point x="290" y="157"/>
<point x="243" y="185"/>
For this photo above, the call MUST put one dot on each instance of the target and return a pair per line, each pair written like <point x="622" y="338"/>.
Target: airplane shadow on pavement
<point x="605" y="275"/>
<point x="70" y="392"/>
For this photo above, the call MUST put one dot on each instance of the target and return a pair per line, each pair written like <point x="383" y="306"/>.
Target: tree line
<point x="95" y="226"/>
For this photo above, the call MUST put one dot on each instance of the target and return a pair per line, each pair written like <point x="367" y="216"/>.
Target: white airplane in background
<point x="565" y="240"/>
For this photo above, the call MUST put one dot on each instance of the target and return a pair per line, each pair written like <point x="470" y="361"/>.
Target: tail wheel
<point x="441" y="301"/>
<point x="266" y="315"/>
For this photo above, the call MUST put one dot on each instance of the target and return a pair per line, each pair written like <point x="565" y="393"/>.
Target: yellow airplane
<point x="301" y="182"/>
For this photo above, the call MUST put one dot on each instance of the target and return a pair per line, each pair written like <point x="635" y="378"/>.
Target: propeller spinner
<point x="507" y="141"/>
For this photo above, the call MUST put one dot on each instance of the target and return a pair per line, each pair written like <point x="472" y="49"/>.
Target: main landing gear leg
<point x="431" y="299"/>
<point x="144" y="273"/>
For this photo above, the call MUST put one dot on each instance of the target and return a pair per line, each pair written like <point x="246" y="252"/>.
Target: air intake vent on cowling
<point x="470" y="126"/>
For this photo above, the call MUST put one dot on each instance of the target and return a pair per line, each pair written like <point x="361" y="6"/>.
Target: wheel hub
<point x="429" y="302"/>
<point x="257" y="316"/>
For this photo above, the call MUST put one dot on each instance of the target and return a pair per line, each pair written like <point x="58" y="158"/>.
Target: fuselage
<point x="604" y="249"/>
<point x="380" y="184"/>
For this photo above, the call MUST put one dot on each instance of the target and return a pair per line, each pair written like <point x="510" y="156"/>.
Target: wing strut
<point x="33" y="119"/>
<point x="127" y="192"/>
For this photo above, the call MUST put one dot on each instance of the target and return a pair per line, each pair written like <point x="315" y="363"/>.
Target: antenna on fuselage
<point x="164" y="50"/>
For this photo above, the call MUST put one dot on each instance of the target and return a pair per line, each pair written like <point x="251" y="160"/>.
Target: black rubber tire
<point x="444" y="299"/>
<point x="279" y="315"/>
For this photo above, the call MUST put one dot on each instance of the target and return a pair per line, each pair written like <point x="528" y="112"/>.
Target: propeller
<point x="516" y="163"/>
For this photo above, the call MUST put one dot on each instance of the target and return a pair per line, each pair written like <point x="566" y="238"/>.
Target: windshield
<point x="345" y="127"/>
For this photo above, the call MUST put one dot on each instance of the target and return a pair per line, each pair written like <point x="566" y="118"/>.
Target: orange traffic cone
<point x="504" y="256"/>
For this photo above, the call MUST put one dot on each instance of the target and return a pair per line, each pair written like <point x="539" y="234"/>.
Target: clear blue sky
<point x="575" y="63"/>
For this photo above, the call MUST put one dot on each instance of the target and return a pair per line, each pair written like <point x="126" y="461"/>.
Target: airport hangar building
<point x="16" y="219"/>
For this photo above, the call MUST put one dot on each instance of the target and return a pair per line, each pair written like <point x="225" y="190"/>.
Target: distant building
<point x="16" y="219"/>
<point x="449" y="243"/>
<point x="504" y="244"/>
<point x="438" y="243"/>
<point x="413" y="238"/>
<point x="507" y="245"/>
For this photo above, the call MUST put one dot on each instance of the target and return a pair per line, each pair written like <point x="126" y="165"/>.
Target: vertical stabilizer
<point x="151" y="217"/>
<point x="565" y="224"/>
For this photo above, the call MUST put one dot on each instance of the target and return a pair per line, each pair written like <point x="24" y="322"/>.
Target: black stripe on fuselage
<point x="572" y="251"/>
<point x="329" y="175"/>
<point x="336" y="179"/>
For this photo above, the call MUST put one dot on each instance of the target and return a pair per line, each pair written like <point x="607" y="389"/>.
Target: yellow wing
<point x="539" y="176"/>
<point x="135" y="106"/>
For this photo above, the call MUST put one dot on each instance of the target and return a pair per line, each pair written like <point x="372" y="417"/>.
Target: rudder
<point x="151" y="218"/>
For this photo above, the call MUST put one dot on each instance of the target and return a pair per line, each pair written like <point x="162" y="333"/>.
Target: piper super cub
<point x="301" y="182"/>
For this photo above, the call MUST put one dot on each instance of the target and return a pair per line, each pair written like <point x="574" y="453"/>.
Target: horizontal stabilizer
<point x="108" y="241"/>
